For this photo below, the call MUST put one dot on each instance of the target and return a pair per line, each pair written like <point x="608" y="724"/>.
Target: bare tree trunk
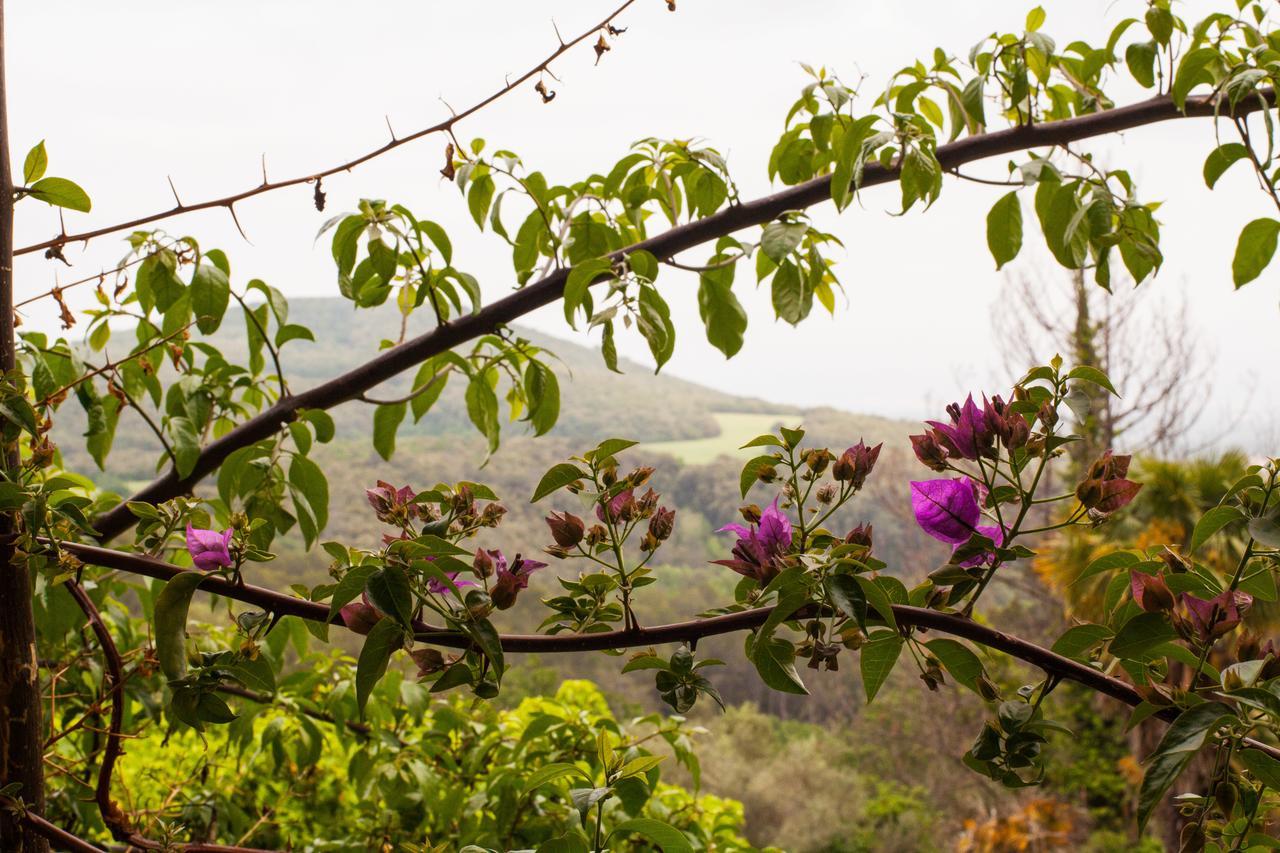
<point x="20" y="747"/>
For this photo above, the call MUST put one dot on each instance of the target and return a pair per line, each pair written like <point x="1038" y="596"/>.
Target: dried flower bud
<point x="767" y="473"/>
<point x="826" y="493"/>
<point x="856" y="463"/>
<point x="860" y="535"/>
<point x="750" y="513"/>
<point x="929" y="450"/>
<point x="818" y="460"/>
<point x="640" y="476"/>
<point x="596" y="535"/>
<point x="1048" y="414"/>
<point x="662" y="523"/>
<point x="492" y="515"/>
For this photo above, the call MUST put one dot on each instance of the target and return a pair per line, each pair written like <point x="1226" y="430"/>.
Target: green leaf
<point x="1192" y="71"/>
<point x="878" y="599"/>
<point x="1220" y="159"/>
<point x="722" y="314"/>
<point x="543" y="392"/>
<point x="847" y="173"/>
<point x="1079" y="639"/>
<point x="210" y="294"/>
<point x="780" y="239"/>
<point x="35" y="164"/>
<point x="1004" y="229"/>
<point x="169" y="623"/>
<point x="61" y="193"/>
<point x="666" y="836"/>
<point x="549" y="773"/>
<point x="1254" y="250"/>
<point x="1085" y="373"/>
<point x="878" y="658"/>
<point x="385" y="637"/>
<point x="1179" y="745"/>
<point x="1211" y="522"/>
<point x="556" y="478"/>
<point x="1108" y="563"/>
<point x="610" y="447"/>
<point x="654" y="322"/>
<point x="579" y="281"/>
<point x="309" y="482"/>
<point x="486" y="637"/>
<point x="1266" y="530"/>
<point x="482" y="408"/>
<point x="774" y="658"/>
<point x="751" y="472"/>
<point x="791" y="293"/>
<point x="389" y="591"/>
<point x="1263" y="767"/>
<point x="348" y="589"/>
<point x="960" y="661"/>
<point x="1140" y="635"/>
<point x="386" y="420"/>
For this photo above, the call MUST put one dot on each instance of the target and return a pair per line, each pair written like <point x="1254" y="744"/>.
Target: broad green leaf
<point x="1077" y="640"/>
<point x="1108" y="563"/>
<point x="780" y="239"/>
<point x="387" y="636"/>
<point x="722" y="314"/>
<point x="1004" y="229"/>
<point x="1263" y="767"/>
<point x="1093" y="375"/>
<point x="210" y="294"/>
<point x="751" y="472"/>
<point x="348" y="589"/>
<point x="1193" y="70"/>
<point x="774" y="658"/>
<point x="482" y="408"/>
<point x="1220" y="159"/>
<point x="1179" y="745"/>
<point x="61" y="193"/>
<point x="1140" y="635"/>
<point x="1211" y="522"/>
<point x="878" y="658"/>
<point x="959" y="660"/>
<point x="549" y="773"/>
<point x="557" y="478"/>
<point x="878" y="599"/>
<point x="386" y="421"/>
<point x="35" y="164"/>
<point x="579" y="281"/>
<point x="169" y="623"/>
<point x="389" y="591"/>
<point x="1254" y="250"/>
<point x="666" y="836"/>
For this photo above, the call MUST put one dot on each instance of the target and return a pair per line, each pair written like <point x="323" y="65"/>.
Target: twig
<point x="230" y="200"/>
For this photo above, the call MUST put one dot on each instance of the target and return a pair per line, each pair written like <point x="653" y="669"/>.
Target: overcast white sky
<point x="130" y="92"/>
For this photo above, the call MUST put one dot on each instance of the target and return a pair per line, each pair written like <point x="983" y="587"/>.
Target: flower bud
<point x="1048" y="414"/>
<point x="929" y="451"/>
<point x="751" y="513"/>
<point x="860" y="535"/>
<point x="1150" y="592"/>
<point x="360" y="617"/>
<point x="567" y="529"/>
<point x="492" y="515"/>
<point x="662" y="523"/>
<point x="767" y="473"/>
<point x="856" y="463"/>
<point x="478" y="603"/>
<point x="818" y="460"/>
<point x="1226" y="795"/>
<point x="482" y="563"/>
<point x="596" y="535"/>
<point x="987" y="689"/>
<point x="826" y="493"/>
<point x="640" y="476"/>
<point x="505" y="592"/>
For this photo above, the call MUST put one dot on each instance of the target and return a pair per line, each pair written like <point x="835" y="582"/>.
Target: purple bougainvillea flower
<point x="946" y="509"/>
<point x="388" y="502"/>
<point x="511" y="579"/>
<point x="209" y="549"/>
<point x="760" y="548"/>
<point x="1150" y="592"/>
<point x="615" y="509"/>
<point x="968" y="434"/>
<point x="1215" y="617"/>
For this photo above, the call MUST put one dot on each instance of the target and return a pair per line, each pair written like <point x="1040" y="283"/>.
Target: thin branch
<point x="387" y="364"/>
<point x="271" y="348"/>
<point x="436" y="378"/>
<point x="113" y="676"/>
<point x="265" y="187"/>
<point x="112" y="366"/>
<point x="280" y="604"/>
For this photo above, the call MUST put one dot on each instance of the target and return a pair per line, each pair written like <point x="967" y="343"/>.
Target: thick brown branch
<point x="913" y="617"/>
<point x="266" y="187"/>
<point x="389" y="363"/>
